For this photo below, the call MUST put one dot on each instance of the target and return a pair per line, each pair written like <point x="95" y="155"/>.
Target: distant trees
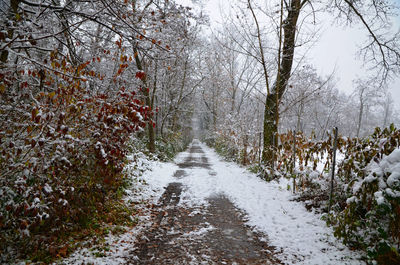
<point x="284" y="23"/>
<point x="229" y="97"/>
<point x="312" y="104"/>
<point x="389" y="111"/>
<point x="306" y="88"/>
<point x="366" y="94"/>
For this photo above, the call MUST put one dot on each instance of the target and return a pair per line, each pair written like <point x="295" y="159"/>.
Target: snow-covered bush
<point x="77" y="80"/>
<point x="365" y="207"/>
<point x="62" y="149"/>
<point x="371" y="217"/>
<point x="167" y="148"/>
<point x="224" y="147"/>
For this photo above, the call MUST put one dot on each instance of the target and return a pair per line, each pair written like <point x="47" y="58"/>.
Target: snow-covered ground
<point x="301" y="237"/>
<point x="116" y="248"/>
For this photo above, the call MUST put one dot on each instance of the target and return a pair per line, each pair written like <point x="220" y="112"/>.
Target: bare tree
<point x="381" y="51"/>
<point x="366" y="93"/>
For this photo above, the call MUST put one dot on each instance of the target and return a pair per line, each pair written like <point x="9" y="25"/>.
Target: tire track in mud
<point x="213" y="234"/>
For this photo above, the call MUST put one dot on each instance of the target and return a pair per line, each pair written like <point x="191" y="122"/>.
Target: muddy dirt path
<point x="213" y="234"/>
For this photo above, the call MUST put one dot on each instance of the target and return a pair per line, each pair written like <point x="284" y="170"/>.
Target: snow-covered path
<point x="300" y="237"/>
<point x="209" y="211"/>
<point x="188" y="231"/>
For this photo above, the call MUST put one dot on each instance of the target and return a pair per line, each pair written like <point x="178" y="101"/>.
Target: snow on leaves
<point x="72" y="99"/>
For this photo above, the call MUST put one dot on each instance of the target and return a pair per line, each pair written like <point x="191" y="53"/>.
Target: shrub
<point x="371" y="217"/>
<point x="365" y="209"/>
<point x="62" y="147"/>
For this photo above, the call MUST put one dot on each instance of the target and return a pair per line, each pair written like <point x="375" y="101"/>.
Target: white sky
<point x="338" y="47"/>
<point x="335" y="50"/>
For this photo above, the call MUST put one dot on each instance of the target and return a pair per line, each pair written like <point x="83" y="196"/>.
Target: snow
<point x="393" y="179"/>
<point x="378" y="197"/>
<point x="117" y="248"/>
<point x="357" y="186"/>
<point x="25" y="232"/>
<point x="160" y="176"/>
<point x="47" y="188"/>
<point x="100" y="146"/>
<point x="394" y="157"/>
<point x="392" y="193"/>
<point x="369" y="179"/>
<point x="301" y="235"/>
<point x="325" y="157"/>
<point x="200" y="232"/>
<point x="352" y="199"/>
<point x="63" y="202"/>
<point x="390" y="163"/>
<point x="389" y="166"/>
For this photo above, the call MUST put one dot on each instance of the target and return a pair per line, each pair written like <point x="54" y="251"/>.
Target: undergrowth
<point x="365" y="211"/>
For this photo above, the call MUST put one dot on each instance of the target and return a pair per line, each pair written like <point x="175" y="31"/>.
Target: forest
<point x="86" y="84"/>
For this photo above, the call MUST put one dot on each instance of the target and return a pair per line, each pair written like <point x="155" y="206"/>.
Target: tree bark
<point x="360" y="115"/>
<point x="146" y="91"/>
<point x="271" y="113"/>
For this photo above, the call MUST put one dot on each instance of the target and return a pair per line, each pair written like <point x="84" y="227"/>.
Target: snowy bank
<point x="116" y="249"/>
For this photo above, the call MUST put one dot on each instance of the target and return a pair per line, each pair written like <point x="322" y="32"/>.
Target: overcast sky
<point x="338" y="47"/>
<point x="335" y="50"/>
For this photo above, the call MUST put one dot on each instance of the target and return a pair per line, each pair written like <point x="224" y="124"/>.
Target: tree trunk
<point x="146" y="91"/>
<point x="270" y="129"/>
<point x="271" y="113"/>
<point x="175" y="126"/>
<point x="360" y="114"/>
<point x="245" y="145"/>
